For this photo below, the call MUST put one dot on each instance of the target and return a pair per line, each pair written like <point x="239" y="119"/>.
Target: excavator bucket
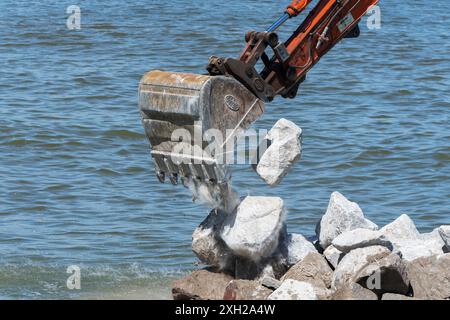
<point x="180" y="114"/>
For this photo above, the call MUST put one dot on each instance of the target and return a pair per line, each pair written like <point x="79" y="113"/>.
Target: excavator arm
<point x="328" y="22"/>
<point x="176" y="107"/>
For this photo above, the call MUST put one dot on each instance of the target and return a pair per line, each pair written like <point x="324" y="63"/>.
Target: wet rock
<point x="444" y="232"/>
<point x="246" y="290"/>
<point x="271" y="283"/>
<point x="353" y="291"/>
<point x="387" y="275"/>
<point x="394" y="296"/>
<point x="298" y="248"/>
<point x="201" y="285"/>
<point x="333" y="256"/>
<point x="206" y="244"/>
<point x="253" y="231"/>
<point x="294" y="290"/>
<point x="430" y="277"/>
<point x="342" y="215"/>
<point x="284" y="150"/>
<point x="313" y="269"/>
<point x="360" y="238"/>
<point x="409" y="243"/>
<point x="353" y="262"/>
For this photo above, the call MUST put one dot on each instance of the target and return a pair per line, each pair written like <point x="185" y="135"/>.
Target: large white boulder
<point x="430" y="277"/>
<point x="298" y="248"/>
<point x="353" y="262"/>
<point x="353" y="291"/>
<point x="253" y="231"/>
<point x="401" y="228"/>
<point x="313" y="269"/>
<point x="386" y="275"/>
<point x="342" y="215"/>
<point x="285" y="149"/>
<point x="360" y="238"/>
<point x="294" y="290"/>
<point x="409" y="243"/>
<point x="414" y="249"/>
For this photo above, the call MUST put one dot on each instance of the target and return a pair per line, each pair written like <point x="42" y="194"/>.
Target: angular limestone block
<point x="253" y="231"/>
<point x="285" y="149"/>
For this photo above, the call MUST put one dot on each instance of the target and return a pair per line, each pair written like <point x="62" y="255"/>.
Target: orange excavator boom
<point x="177" y="106"/>
<point x="328" y="23"/>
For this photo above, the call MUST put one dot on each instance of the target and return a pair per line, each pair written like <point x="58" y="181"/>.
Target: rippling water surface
<point x="76" y="180"/>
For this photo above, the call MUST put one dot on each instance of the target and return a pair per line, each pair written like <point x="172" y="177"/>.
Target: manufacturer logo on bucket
<point x="232" y="102"/>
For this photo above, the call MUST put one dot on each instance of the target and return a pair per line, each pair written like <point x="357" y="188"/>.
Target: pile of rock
<point x="250" y="256"/>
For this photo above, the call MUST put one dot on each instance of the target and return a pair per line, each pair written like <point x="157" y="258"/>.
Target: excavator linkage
<point x="191" y="119"/>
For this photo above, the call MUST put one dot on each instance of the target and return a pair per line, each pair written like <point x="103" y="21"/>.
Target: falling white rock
<point x="294" y="290"/>
<point x="285" y="149"/>
<point x="360" y="238"/>
<point x="253" y="232"/>
<point x="342" y="215"/>
<point x="298" y="248"/>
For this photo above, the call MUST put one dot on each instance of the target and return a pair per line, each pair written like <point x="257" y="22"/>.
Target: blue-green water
<point x="76" y="180"/>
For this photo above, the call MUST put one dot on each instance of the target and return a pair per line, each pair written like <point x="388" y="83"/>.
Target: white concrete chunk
<point x="402" y="228"/>
<point x="298" y="248"/>
<point x="253" y="231"/>
<point x="333" y="256"/>
<point x="285" y="149"/>
<point x="430" y="277"/>
<point x="360" y="238"/>
<point x="342" y="215"/>
<point x="294" y="290"/>
<point x="411" y="250"/>
<point x="348" y="269"/>
<point x="409" y="243"/>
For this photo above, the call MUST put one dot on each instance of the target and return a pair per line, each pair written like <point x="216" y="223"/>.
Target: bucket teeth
<point x="204" y="171"/>
<point x="161" y="176"/>
<point x="175" y="106"/>
<point x="174" y="178"/>
<point x="185" y="181"/>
